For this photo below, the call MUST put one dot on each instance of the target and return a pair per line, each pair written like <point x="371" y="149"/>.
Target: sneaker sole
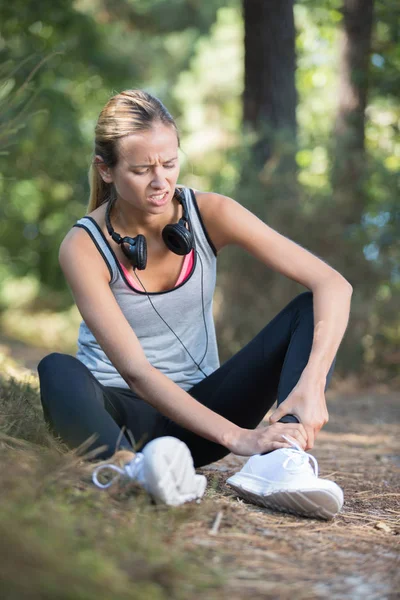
<point x="169" y="472"/>
<point x="314" y="503"/>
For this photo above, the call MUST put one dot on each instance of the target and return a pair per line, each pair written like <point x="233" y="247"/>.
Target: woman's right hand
<point x="247" y="442"/>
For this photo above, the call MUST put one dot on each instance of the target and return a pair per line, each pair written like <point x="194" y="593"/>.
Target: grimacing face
<point x="147" y="169"/>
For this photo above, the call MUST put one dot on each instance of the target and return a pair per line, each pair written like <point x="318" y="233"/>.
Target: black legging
<point x="242" y="390"/>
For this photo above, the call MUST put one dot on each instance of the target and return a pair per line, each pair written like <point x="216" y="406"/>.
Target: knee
<point x="59" y="378"/>
<point x="53" y="362"/>
<point x="58" y="371"/>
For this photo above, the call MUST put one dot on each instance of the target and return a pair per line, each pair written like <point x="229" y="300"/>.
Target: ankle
<point x="122" y="457"/>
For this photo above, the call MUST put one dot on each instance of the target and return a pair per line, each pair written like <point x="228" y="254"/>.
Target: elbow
<point x="335" y="282"/>
<point x="348" y="287"/>
<point x="343" y="283"/>
<point x="138" y="376"/>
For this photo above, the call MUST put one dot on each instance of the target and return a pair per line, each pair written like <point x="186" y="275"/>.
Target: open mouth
<point x="158" y="199"/>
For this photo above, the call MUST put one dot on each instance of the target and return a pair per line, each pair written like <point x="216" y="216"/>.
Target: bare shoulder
<point x="209" y="201"/>
<point x="78" y="248"/>
<point x="213" y="207"/>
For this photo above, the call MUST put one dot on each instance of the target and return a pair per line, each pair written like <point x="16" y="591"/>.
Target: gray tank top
<point x="187" y="309"/>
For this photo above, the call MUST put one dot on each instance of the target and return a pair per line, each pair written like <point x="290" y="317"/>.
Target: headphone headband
<point x="178" y="239"/>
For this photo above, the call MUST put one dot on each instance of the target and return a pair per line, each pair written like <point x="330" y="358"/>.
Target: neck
<point x="127" y="221"/>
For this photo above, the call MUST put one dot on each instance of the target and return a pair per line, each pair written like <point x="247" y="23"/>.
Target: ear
<point x="105" y="172"/>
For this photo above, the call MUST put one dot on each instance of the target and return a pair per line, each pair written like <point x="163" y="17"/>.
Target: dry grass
<point x="64" y="539"/>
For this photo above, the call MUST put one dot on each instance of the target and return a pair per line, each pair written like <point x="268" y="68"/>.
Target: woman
<point x="147" y="364"/>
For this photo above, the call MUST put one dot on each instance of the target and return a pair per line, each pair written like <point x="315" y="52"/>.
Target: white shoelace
<point x="131" y="469"/>
<point x="298" y="457"/>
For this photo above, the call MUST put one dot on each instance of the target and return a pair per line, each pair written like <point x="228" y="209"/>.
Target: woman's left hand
<point x="306" y="402"/>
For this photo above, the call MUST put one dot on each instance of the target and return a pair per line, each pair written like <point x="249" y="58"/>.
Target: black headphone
<point x="176" y="237"/>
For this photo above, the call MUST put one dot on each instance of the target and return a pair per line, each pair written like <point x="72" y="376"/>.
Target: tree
<point x="269" y="99"/>
<point x="349" y="161"/>
<point x="268" y="172"/>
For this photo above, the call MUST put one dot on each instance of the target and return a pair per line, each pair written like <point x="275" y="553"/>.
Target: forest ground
<point x="258" y="553"/>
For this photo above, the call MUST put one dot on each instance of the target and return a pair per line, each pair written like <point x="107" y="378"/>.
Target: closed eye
<point x="144" y="171"/>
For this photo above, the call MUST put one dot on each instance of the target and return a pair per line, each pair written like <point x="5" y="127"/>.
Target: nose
<point x="158" y="180"/>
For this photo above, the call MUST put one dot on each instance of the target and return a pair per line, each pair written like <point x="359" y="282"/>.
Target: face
<point x="147" y="169"/>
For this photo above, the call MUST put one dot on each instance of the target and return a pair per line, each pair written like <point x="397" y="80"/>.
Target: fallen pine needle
<point x="216" y="524"/>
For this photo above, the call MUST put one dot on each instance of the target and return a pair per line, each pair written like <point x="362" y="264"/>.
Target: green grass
<point x="62" y="538"/>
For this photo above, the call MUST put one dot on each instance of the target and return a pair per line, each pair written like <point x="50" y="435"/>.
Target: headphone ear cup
<point x="141" y="252"/>
<point x="135" y="249"/>
<point x="177" y="238"/>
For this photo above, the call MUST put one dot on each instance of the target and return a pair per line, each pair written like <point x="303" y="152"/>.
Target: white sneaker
<point x="164" y="469"/>
<point x="285" y="480"/>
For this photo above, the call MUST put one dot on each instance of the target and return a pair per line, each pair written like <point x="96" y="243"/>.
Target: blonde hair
<point x="129" y="112"/>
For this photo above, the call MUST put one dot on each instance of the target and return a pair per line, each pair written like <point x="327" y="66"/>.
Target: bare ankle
<point x="121" y="457"/>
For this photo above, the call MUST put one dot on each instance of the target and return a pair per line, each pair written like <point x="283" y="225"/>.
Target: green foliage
<point x="91" y="53"/>
<point x="190" y="54"/>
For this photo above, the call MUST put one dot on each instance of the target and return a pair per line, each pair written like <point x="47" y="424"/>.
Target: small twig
<point x="384" y="495"/>
<point x="120" y="436"/>
<point x="216" y="524"/>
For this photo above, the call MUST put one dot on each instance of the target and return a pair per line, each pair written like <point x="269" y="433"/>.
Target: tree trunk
<point x="355" y="45"/>
<point x="269" y="99"/>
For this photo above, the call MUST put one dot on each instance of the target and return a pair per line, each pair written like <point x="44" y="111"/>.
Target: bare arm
<point x="103" y="316"/>
<point x="230" y="223"/>
<point x="332" y="300"/>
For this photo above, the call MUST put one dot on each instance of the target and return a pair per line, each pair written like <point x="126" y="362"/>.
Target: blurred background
<point x="290" y="108"/>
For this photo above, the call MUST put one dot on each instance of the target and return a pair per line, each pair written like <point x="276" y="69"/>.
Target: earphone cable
<point x="202" y="304"/>
<point x="170" y="328"/>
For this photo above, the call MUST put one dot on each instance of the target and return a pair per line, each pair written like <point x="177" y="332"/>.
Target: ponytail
<point x="100" y="191"/>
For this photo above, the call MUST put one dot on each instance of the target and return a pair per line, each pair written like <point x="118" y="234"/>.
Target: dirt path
<point x="356" y="555"/>
<point x="26" y="356"/>
<point x="278" y="556"/>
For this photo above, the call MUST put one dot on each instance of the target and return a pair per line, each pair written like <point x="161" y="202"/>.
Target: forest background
<point x="291" y="109"/>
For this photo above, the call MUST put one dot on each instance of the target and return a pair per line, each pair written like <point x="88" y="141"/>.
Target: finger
<point x="274" y="446"/>
<point x="302" y="429"/>
<point x="274" y="417"/>
<point x="317" y="429"/>
<point x="316" y="432"/>
<point x="310" y="438"/>
<point x="301" y="441"/>
<point x="277" y="414"/>
<point x="304" y="435"/>
<point x="296" y="430"/>
<point x="301" y="437"/>
<point x="291" y="437"/>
